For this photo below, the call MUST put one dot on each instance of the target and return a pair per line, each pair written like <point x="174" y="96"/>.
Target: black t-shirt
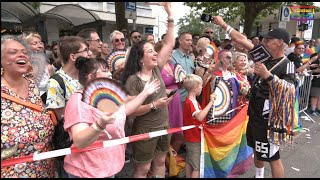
<point x="285" y="70"/>
<point x="297" y="60"/>
<point x="315" y="81"/>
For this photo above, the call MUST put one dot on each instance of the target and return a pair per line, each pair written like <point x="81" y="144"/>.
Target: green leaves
<point x="192" y="23"/>
<point x="249" y="12"/>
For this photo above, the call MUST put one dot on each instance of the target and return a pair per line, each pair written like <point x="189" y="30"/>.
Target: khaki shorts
<point x="145" y="150"/>
<point x="193" y="154"/>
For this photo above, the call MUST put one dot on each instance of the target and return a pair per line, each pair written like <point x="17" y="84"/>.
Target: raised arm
<point x="235" y="35"/>
<point x="169" y="40"/>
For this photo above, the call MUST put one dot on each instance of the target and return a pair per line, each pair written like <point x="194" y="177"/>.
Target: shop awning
<point x="74" y="14"/>
<point x="17" y="12"/>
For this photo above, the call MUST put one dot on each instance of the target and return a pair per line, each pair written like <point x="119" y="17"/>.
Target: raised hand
<point x="167" y="7"/>
<point x="218" y="20"/>
<point x="152" y="86"/>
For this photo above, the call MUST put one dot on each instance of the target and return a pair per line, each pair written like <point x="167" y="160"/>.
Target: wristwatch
<point x="269" y="78"/>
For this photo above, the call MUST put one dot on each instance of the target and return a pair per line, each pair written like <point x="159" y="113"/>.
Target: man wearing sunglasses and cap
<point x="265" y="147"/>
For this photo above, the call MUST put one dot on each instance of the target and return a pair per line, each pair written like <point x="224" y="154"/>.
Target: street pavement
<point x="300" y="160"/>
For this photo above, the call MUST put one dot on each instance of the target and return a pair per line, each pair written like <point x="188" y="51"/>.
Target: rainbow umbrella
<point x="308" y="52"/>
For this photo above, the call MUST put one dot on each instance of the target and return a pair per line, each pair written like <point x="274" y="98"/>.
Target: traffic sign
<point x="285" y="13"/>
<point x="131" y="15"/>
<point x="149" y="30"/>
<point x="131" y="6"/>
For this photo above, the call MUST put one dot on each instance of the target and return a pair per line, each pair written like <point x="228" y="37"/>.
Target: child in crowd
<point x="194" y="115"/>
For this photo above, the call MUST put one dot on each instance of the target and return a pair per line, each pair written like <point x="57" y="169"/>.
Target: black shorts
<point x="257" y="132"/>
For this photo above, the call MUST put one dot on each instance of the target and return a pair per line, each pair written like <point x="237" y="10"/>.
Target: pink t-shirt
<point x="98" y="163"/>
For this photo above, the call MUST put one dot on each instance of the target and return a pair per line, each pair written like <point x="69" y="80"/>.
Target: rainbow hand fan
<point x="223" y="98"/>
<point x="308" y="52"/>
<point x="179" y="73"/>
<point x="116" y="59"/>
<point x="104" y="94"/>
<point x="211" y="50"/>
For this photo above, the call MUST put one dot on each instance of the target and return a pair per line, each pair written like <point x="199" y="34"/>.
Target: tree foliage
<point x="249" y="12"/>
<point x="191" y="23"/>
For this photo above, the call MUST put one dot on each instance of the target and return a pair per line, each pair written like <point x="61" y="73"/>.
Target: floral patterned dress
<point x="243" y="89"/>
<point x="25" y="132"/>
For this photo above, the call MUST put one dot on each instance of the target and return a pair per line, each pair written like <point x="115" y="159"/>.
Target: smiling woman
<point x="24" y="130"/>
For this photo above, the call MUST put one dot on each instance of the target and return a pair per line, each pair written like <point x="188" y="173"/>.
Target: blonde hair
<point x="203" y="43"/>
<point x="191" y="81"/>
<point x="114" y="33"/>
<point x="27" y="36"/>
<point x="235" y="56"/>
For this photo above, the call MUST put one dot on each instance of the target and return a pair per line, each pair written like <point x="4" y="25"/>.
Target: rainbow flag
<point x="308" y="52"/>
<point x="225" y="153"/>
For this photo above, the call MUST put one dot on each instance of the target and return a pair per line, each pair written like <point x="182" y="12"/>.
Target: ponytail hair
<point x="85" y="66"/>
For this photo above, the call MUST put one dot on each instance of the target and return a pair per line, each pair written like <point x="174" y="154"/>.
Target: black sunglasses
<point x="209" y="32"/>
<point x="118" y="40"/>
<point x="136" y="37"/>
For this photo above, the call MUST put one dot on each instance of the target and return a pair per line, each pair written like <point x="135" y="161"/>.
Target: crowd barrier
<point x="303" y="92"/>
<point x="96" y="145"/>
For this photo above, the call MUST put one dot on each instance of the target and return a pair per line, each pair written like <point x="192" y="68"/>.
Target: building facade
<point x="55" y="19"/>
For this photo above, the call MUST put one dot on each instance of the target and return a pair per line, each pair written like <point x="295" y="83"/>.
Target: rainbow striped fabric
<point x="225" y="150"/>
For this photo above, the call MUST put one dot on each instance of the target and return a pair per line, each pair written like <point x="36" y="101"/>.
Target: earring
<point x="2" y="71"/>
<point x="30" y="69"/>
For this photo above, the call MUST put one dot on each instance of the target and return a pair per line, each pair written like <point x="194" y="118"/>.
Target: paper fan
<point x="213" y="51"/>
<point x="308" y="52"/>
<point x="223" y="98"/>
<point x="179" y="73"/>
<point x="104" y="94"/>
<point x="115" y="59"/>
<point x="210" y="50"/>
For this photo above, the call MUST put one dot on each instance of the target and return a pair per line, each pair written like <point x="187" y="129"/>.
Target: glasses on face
<point x="118" y="40"/>
<point x="97" y="40"/>
<point x="300" y="48"/>
<point x="209" y="32"/>
<point x="136" y="37"/>
<point x="85" y="50"/>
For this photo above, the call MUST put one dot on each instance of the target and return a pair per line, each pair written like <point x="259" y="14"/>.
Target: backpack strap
<point x="59" y="79"/>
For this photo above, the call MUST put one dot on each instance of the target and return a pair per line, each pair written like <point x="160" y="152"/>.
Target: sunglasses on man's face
<point x="136" y="37"/>
<point x="209" y="32"/>
<point x="118" y="40"/>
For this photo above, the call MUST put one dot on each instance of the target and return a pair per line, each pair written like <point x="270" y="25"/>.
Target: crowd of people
<point x="41" y="97"/>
